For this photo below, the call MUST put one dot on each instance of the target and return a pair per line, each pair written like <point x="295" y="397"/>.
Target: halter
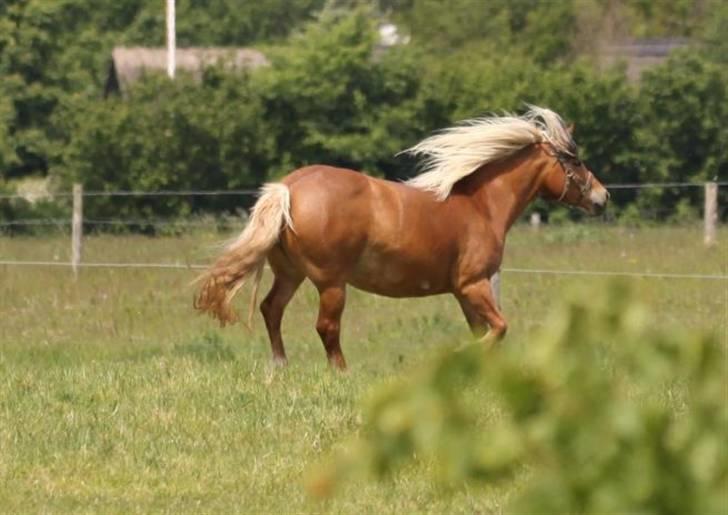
<point x="572" y="177"/>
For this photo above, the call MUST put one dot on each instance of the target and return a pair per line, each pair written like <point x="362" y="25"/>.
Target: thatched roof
<point x="130" y="64"/>
<point x="640" y="55"/>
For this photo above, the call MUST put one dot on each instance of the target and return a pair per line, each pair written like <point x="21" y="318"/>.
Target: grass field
<point x="115" y="397"/>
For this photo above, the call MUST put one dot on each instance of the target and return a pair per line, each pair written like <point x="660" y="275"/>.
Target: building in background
<point x="130" y="64"/>
<point x="640" y="54"/>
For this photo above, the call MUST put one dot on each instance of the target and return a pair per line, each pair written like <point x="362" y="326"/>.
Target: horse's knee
<point x="327" y="328"/>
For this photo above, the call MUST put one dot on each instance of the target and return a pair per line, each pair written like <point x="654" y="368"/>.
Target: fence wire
<point x="541" y="271"/>
<point x="233" y="223"/>
<point x="135" y="193"/>
<point x="251" y="191"/>
<point x="64" y="264"/>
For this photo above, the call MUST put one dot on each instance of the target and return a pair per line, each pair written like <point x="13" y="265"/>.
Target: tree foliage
<point x="51" y="50"/>
<point x="542" y="29"/>
<point x="335" y="94"/>
<point x="169" y="136"/>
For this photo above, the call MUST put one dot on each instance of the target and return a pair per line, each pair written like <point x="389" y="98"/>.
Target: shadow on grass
<point x="209" y="347"/>
<point x="206" y="348"/>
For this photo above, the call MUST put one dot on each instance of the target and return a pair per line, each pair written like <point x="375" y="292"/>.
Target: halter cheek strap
<point x="570" y="176"/>
<point x="567" y="180"/>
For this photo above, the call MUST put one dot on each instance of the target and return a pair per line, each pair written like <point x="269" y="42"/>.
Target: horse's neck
<point x="505" y="189"/>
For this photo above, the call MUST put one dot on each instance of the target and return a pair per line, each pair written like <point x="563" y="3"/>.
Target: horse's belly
<point x="393" y="276"/>
<point x="421" y="288"/>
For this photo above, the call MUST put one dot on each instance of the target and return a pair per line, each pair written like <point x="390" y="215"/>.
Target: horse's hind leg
<point x="272" y="307"/>
<point x="328" y="325"/>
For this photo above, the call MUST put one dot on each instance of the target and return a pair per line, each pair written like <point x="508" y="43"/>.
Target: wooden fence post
<point x="76" y="228"/>
<point x="711" y="213"/>
<point x="495" y="285"/>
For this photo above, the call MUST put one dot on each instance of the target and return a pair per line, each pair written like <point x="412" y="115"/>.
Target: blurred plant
<point x="604" y="414"/>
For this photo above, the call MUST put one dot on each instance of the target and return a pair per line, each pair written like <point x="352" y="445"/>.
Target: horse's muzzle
<point x="599" y="199"/>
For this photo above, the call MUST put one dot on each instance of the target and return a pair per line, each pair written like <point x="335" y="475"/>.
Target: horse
<point x="442" y="231"/>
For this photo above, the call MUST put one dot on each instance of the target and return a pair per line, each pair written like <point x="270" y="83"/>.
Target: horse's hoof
<point x="280" y="362"/>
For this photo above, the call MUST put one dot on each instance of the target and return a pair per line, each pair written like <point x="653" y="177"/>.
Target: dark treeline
<point x="334" y="94"/>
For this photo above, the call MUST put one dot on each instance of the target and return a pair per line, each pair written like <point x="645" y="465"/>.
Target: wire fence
<point x="66" y="264"/>
<point x="540" y="271"/>
<point x="661" y="185"/>
<point x="239" y="222"/>
<point x="644" y="214"/>
<point x="133" y="193"/>
<point x="231" y="223"/>
<point x="160" y="222"/>
<point x="251" y="191"/>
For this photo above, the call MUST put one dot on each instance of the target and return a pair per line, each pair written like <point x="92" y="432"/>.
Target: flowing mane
<point x="457" y="152"/>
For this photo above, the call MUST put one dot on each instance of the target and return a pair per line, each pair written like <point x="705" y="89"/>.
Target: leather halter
<point x="572" y="177"/>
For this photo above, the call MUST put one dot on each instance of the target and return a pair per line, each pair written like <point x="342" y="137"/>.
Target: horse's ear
<point x="570" y="128"/>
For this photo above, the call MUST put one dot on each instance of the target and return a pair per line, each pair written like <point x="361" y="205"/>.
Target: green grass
<point x="115" y="397"/>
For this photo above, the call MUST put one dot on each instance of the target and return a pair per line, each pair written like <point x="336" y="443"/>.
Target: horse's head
<point x="570" y="182"/>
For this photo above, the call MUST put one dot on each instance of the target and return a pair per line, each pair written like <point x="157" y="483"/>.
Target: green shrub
<point x="17" y="215"/>
<point x="604" y="413"/>
<point x="334" y="95"/>
<point x="169" y="136"/>
<point x="681" y="132"/>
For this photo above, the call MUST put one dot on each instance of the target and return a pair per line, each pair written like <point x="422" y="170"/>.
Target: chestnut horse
<point x="441" y="232"/>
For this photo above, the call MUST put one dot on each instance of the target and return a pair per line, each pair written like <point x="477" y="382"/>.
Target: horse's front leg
<point x="481" y="311"/>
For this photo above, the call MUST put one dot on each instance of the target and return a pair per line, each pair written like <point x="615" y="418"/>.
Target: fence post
<point x="711" y="213"/>
<point x="495" y="286"/>
<point x="76" y="228"/>
<point x="535" y="220"/>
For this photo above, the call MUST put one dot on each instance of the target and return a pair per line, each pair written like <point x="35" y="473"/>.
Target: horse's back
<point x="324" y="179"/>
<point x="343" y="204"/>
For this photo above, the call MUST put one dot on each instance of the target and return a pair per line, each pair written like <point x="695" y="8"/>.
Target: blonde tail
<point x="244" y="256"/>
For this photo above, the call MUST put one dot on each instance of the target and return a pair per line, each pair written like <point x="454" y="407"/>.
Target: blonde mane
<point x="457" y="152"/>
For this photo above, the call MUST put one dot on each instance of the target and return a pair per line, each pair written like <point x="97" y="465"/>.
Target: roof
<point x="642" y="54"/>
<point x="130" y="64"/>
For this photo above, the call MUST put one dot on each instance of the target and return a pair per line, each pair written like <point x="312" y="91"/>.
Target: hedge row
<point x="333" y="96"/>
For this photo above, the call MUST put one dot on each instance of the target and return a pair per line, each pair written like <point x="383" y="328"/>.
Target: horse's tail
<point x="245" y="256"/>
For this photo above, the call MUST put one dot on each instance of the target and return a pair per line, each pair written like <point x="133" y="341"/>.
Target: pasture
<point x="116" y="397"/>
